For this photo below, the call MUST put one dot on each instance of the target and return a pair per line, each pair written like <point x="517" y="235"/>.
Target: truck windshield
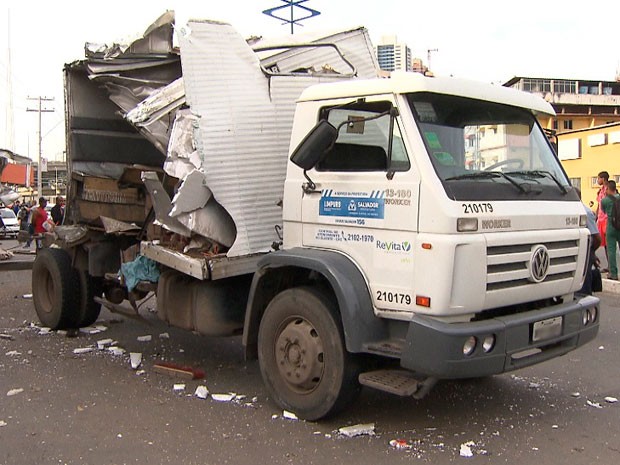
<point x="487" y="151"/>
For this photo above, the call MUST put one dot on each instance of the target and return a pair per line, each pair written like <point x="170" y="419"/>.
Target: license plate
<point x="547" y="329"/>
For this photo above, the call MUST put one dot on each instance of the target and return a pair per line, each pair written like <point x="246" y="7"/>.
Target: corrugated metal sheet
<point x="245" y="121"/>
<point x="236" y="130"/>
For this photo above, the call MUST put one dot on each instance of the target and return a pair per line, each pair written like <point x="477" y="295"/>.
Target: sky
<point x="484" y="40"/>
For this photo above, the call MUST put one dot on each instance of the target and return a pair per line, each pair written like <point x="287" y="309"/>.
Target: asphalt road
<point x="92" y="408"/>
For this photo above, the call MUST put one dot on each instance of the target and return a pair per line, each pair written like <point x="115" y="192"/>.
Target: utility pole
<point x="40" y="110"/>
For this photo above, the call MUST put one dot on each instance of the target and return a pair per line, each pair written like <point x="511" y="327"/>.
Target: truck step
<point x="399" y="382"/>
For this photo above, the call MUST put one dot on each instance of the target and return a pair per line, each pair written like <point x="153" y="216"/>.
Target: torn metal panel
<point x="236" y="131"/>
<point x="162" y="204"/>
<point x="354" y="44"/>
<point x="182" y="155"/>
<point x="192" y="195"/>
<point x="158" y="104"/>
<point x="211" y="221"/>
<point x="112" y="226"/>
<point x="157" y="39"/>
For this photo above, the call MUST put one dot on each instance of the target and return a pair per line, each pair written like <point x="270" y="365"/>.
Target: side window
<point x="363" y="144"/>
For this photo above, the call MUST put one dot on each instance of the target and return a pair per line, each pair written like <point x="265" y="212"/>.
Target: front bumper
<point x="435" y="348"/>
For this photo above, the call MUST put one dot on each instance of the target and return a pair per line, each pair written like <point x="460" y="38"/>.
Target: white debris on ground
<point x="465" y="450"/>
<point x="401" y="444"/>
<point x="178" y="387"/>
<point x="103" y="343"/>
<point x="27" y="296"/>
<point x="146" y="338"/>
<point x="201" y="392"/>
<point x="116" y="351"/>
<point x="164" y="336"/>
<point x="3" y="423"/>
<point x="14" y="392"/>
<point x="93" y="329"/>
<point x="13" y="353"/>
<point x="611" y="400"/>
<point x="289" y="415"/>
<point x="135" y="358"/>
<point x="224" y="397"/>
<point x="593" y="404"/>
<point x="82" y="350"/>
<point x="366" y="429"/>
<point x="6" y="337"/>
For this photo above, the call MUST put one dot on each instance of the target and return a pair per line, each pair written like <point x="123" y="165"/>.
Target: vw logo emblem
<point x="539" y="264"/>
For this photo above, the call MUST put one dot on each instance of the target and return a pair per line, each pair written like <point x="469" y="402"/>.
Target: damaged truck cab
<point x="357" y="232"/>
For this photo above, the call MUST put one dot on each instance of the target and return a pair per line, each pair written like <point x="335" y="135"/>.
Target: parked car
<point x="10" y="226"/>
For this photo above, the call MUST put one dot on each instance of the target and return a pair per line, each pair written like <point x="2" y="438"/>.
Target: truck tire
<point x="88" y="310"/>
<point x="302" y="356"/>
<point x="53" y="288"/>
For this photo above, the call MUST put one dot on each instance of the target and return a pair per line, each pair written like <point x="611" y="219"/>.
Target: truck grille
<point x="507" y="265"/>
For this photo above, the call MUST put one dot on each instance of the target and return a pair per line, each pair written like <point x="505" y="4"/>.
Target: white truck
<point x="428" y="232"/>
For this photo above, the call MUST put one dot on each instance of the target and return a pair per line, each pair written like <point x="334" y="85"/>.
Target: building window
<point x="536" y="85"/>
<point x="568" y="124"/>
<point x="575" y="182"/>
<point x="564" y="87"/>
<point x="555" y="124"/>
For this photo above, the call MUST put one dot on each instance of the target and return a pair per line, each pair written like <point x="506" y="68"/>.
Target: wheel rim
<point x="299" y="355"/>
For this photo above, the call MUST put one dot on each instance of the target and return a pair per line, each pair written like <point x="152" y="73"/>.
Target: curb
<point x="611" y="286"/>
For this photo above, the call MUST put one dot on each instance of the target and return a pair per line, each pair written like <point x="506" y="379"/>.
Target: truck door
<point x="365" y="204"/>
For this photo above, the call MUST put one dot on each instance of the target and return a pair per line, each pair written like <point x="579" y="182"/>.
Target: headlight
<point x="488" y="343"/>
<point x="470" y="345"/>
<point x="467" y="224"/>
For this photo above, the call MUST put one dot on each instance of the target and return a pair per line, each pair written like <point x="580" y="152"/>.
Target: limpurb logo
<point x="392" y="246"/>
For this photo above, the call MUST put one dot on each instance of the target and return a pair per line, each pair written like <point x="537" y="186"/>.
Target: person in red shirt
<point x="601" y="216"/>
<point x="39" y="216"/>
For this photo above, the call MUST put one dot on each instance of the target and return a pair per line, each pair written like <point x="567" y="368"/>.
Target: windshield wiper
<point x="541" y="174"/>
<point x="488" y="175"/>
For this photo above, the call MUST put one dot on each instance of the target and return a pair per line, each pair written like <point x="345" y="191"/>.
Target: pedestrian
<point x="38" y="217"/>
<point x="15" y="207"/>
<point x="612" y="234"/>
<point x="58" y="211"/>
<point x="595" y="243"/>
<point x="601" y="217"/>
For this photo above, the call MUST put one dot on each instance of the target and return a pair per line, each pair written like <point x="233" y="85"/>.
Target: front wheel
<point x="302" y="357"/>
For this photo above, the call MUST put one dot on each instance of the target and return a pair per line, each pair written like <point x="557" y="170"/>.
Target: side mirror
<point x="312" y="148"/>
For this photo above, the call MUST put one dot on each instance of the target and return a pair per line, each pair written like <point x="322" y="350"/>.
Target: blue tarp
<point x="141" y="269"/>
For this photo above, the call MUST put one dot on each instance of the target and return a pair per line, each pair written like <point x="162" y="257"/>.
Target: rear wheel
<point x="88" y="310"/>
<point x="302" y="356"/>
<point x="53" y="288"/>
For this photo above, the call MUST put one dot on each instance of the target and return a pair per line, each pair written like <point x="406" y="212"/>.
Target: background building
<point x="579" y="104"/>
<point x="393" y="55"/>
<point x="586" y="152"/>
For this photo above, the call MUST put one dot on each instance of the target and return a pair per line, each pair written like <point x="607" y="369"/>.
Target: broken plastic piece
<point x="27" y="296"/>
<point x="172" y="369"/>
<point x="611" y="400"/>
<point x="367" y="429"/>
<point x="146" y="338"/>
<point x="3" y="423"/>
<point x="164" y="336"/>
<point x="178" y="387"/>
<point x="12" y="353"/>
<point x="289" y="415"/>
<point x="594" y="404"/>
<point x="7" y="337"/>
<point x="201" y="392"/>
